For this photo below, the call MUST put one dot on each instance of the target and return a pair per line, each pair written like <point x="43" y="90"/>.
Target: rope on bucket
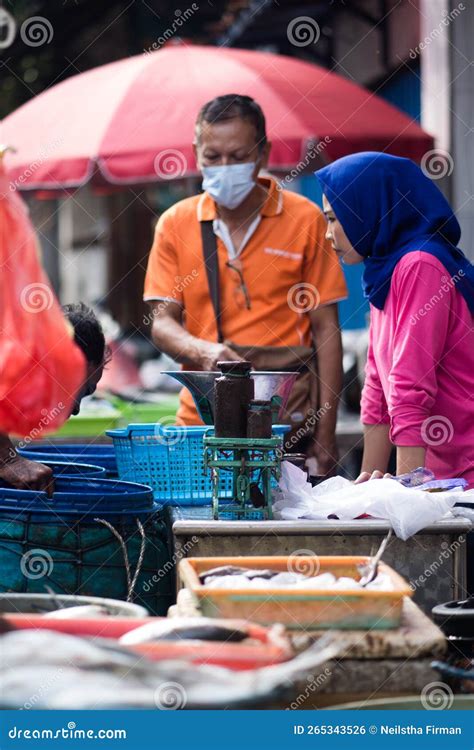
<point x="131" y="582"/>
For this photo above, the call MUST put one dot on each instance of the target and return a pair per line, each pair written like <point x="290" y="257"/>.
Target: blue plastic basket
<point x="171" y="461"/>
<point x="81" y="497"/>
<point x="89" y="453"/>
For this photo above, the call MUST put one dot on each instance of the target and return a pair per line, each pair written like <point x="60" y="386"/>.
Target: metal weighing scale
<point x="255" y="463"/>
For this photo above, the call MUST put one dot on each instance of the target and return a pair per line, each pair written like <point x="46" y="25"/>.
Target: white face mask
<point x="229" y="184"/>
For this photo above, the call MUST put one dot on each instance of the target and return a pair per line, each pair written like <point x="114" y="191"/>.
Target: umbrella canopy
<point x="132" y="121"/>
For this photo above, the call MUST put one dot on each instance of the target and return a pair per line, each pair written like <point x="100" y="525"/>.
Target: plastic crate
<point x="299" y="609"/>
<point x="171" y="461"/>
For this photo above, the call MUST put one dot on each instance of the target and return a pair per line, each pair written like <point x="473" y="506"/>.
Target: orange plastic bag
<point x="41" y="368"/>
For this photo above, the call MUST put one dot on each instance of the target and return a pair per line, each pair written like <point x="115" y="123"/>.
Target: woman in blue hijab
<point x="418" y="394"/>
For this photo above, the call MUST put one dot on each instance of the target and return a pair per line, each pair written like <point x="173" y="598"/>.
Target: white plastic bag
<point x="407" y="510"/>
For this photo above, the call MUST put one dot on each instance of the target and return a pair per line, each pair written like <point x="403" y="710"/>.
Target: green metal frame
<point x="244" y="457"/>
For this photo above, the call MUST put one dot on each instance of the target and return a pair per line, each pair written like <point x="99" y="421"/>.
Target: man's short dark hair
<point x="88" y="333"/>
<point x="229" y="107"/>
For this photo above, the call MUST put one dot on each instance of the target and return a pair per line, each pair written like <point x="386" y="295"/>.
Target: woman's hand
<point x="365" y="476"/>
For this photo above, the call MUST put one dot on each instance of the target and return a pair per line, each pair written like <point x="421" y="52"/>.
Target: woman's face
<point x="338" y="237"/>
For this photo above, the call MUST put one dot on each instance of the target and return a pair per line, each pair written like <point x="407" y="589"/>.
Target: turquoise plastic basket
<point x="170" y="460"/>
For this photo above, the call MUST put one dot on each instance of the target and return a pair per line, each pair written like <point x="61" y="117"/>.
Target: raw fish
<point x="82" y="612"/>
<point x="234" y="570"/>
<point x="326" y="581"/>
<point x="187" y="628"/>
<point x="46" y="670"/>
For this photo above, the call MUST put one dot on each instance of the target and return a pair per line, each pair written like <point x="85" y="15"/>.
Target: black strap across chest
<point x="211" y="261"/>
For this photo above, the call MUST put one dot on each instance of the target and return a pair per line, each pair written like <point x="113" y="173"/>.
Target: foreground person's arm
<point x="410" y="458"/>
<point x="377" y="448"/>
<point x="375" y="420"/>
<point x="171" y="337"/>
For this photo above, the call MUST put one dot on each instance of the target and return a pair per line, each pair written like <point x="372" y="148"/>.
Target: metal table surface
<point x="433" y="560"/>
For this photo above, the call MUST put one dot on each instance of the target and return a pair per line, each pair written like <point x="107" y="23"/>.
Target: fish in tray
<point x="65" y="672"/>
<point x="188" y="628"/>
<point x="235" y="570"/>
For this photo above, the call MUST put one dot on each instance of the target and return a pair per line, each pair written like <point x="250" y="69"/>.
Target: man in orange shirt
<point x="279" y="280"/>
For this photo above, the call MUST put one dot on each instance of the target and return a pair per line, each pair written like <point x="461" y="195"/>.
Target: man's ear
<point x="266" y="154"/>
<point x="195" y="151"/>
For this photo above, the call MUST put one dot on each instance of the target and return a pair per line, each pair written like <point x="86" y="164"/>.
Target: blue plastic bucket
<point x="87" y="453"/>
<point x="62" y="542"/>
<point x="71" y="470"/>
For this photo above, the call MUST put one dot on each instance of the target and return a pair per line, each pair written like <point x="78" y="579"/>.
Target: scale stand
<point x="254" y="462"/>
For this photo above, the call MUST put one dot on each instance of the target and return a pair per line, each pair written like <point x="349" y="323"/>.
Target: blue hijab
<point x="388" y="208"/>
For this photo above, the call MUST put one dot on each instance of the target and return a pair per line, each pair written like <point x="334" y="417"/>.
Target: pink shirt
<point x="420" y="366"/>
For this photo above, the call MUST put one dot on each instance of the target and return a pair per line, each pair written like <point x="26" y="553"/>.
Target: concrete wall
<point x="448" y="101"/>
<point x="82" y="247"/>
<point x="359" y="45"/>
<point x="462" y="122"/>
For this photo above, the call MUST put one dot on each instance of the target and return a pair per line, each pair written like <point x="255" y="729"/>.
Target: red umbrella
<point x="132" y="121"/>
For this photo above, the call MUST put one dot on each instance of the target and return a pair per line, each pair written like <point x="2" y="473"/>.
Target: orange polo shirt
<point x="287" y="265"/>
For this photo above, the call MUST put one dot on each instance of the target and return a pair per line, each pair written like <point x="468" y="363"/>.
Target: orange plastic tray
<point x="272" y="647"/>
<point x="297" y="609"/>
<point x="100" y="627"/>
